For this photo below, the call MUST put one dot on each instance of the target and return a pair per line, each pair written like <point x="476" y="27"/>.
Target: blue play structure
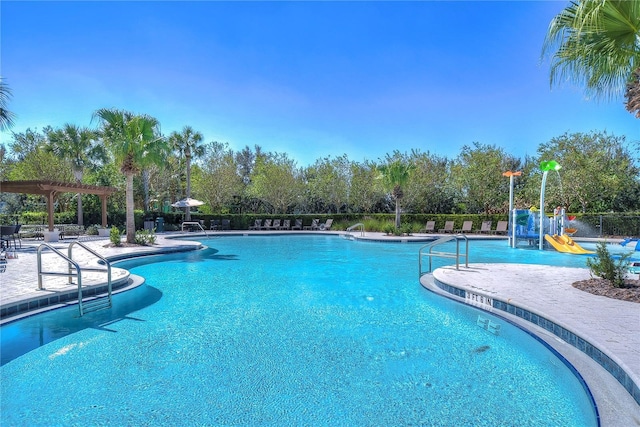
<point x="625" y="242"/>
<point x="527" y="226"/>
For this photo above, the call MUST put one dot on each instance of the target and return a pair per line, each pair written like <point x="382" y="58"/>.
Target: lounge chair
<point x="215" y="224"/>
<point x="286" y="224"/>
<point x="485" y="227"/>
<point x="501" y="228"/>
<point x="429" y="228"/>
<point x="226" y="224"/>
<point x="313" y="226"/>
<point x="467" y="226"/>
<point x="3" y="262"/>
<point x="7" y="233"/>
<point x="257" y="225"/>
<point x="267" y="224"/>
<point x="298" y="225"/>
<point x="448" y="227"/>
<point x="275" y="225"/>
<point x="327" y="225"/>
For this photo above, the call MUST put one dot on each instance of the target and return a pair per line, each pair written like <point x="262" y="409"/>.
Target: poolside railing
<point x="358" y="226"/>
<point x="427" y="251"/>
<point x="75" y="270"/>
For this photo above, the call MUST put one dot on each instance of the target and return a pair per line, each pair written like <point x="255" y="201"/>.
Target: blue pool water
<point x="286" y="331"/>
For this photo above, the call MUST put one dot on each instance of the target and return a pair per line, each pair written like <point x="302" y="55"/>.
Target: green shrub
<point x="145" y="237"/>
<point x="389" y="228"/>
<point x="604" y="266"/>
<point x="115" y="236"/>
<point x="407" y="228"/>
<point x="92" y="230"/>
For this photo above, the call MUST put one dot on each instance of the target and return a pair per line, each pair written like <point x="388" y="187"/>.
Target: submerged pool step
<point x="99" y="303"/>
<point x="488" y="325"/>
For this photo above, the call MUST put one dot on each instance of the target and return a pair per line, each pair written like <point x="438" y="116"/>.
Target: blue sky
<point x="312" y="79"/>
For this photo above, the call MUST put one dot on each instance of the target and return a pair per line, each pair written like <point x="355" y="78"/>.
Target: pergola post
<point x="51" y="195"/>
<point x="103" y="199"/>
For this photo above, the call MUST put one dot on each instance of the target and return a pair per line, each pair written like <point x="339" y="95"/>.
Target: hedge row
<point x="588" y="225"/>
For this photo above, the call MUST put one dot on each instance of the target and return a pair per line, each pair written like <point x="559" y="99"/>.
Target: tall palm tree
<point x="395" y="175"/>
<point x="597" y="43"/>
<point x="6" y="116"/>
<point x="135" y="142"/>
<point x="187" y="143"/>
<point x="79" y="146"/>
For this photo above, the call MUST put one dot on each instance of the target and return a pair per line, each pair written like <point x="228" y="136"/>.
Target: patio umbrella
<point x="187" y="203"/>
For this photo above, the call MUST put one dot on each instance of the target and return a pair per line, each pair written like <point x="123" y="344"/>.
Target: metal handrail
<point x="71" y="263"/>
<point x="194" y="223"/>
<point x="359" y="225"/>
<point x="440" y="241"/>
<point x="103" y="259"/>
<point x="78" y="270"/>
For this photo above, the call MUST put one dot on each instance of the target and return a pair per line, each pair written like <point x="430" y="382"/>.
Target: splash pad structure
<point x="535" y="227"/>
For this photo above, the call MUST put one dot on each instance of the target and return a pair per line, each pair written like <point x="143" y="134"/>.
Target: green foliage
<point x="92" y="230"/>
<point x="604" y="265"/>
<point x="595" y="44"/>
<point x="407" y="228"/>
<point x="145" y="237"/>
<point x="389" y="228"/>
<point x="115" y="236"/>
<point x="598" y="172"/>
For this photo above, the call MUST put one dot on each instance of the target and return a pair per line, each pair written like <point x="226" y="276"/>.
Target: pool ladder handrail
<point x="359" y="226"/>
<point x="193" y="223"/>
<point x="95" y="304"/>
<point x="457" y="255"/>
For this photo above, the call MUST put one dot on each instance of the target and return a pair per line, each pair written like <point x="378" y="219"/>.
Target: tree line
<point x="600" y="173"/>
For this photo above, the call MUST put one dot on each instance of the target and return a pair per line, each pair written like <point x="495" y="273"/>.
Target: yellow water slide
<point x="566" y="244"/>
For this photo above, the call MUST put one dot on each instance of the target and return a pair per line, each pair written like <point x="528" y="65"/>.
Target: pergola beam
<point x="50" y="190"/>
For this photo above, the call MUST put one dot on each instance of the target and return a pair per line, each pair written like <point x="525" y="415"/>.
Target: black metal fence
<point x="593" y="225"/>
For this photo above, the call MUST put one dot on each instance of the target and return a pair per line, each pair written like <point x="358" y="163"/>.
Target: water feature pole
<point x="512" y="220"/>
<point x="545" y="167"/>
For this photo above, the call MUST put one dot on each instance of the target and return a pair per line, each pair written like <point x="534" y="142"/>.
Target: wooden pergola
<point x="50" y="190"/>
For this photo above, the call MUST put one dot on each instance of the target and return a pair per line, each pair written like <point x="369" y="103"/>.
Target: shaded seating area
<point x="50" y="190"/>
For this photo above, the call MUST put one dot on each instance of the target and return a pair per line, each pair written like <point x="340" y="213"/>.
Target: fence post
<point x="600" y="226"/>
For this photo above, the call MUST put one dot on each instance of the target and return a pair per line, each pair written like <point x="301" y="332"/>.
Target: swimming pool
<point x="307" y="330"/>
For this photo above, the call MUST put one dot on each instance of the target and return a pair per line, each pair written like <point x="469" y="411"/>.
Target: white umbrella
<point x="187" y="203"/>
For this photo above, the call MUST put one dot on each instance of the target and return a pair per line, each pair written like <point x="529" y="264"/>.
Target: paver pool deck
<point x="591" y="332"/>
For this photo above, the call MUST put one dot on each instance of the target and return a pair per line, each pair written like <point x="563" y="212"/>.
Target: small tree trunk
<point x="397" y="213"/>
<point x="187" y="216"/>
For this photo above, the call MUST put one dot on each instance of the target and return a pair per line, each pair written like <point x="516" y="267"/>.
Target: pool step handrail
<point x="193" y="223"/>
<point x="97" y="303"/>
<point x="359" y="226"/>
<point x="75" y="270"/>
<point x="427" y="250"/>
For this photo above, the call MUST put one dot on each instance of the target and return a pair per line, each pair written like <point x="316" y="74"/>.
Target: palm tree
<point x="597" y="43"/>
<point x="188" y="144"/>
<point x="6" y="116"/>
<point x="394" y="176"/>
<point x="134" y="142"/>
<point x="79" y="146"/>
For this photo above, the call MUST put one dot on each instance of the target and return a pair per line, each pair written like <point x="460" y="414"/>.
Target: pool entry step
<point x="488" y="325"/>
